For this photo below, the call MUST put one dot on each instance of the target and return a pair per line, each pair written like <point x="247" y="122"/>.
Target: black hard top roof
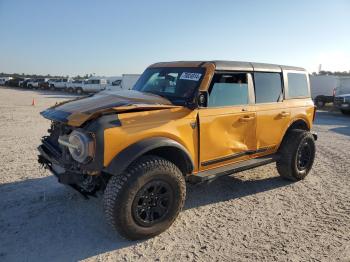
<point x="221" y="65"/>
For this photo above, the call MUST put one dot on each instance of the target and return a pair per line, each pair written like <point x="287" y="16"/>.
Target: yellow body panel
<point x="272" y="120"/>
<point x="172" y="123"/>
<point x="225" y="132"/>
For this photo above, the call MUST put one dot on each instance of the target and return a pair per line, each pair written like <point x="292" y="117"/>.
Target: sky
<point x="70" y="37"/>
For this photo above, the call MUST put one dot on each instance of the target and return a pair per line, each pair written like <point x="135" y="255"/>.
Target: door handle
<point x="246" y="118"/>
<point x="284" y="114"/>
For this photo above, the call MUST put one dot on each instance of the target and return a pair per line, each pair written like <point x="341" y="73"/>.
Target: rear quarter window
<point x="297" y="85"/>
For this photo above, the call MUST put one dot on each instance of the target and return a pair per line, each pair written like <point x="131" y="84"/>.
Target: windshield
<point x="176" y="84"/>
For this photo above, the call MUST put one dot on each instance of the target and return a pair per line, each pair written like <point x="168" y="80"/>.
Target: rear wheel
<point x="297" y="154"/>
<point x="146" y="199"/>
<point x="79" y="90"/>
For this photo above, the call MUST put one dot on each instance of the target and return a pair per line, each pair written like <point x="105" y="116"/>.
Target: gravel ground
<point x="250" y="216"/>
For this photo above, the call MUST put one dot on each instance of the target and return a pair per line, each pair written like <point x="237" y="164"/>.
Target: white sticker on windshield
<point x="190" y="76"/>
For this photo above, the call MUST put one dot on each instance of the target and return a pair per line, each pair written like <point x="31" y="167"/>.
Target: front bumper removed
<point x="64" y="176"/>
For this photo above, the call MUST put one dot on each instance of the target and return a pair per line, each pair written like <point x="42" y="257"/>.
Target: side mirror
<point x="203" y="99"/>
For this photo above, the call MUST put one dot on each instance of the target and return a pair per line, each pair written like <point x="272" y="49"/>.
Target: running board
<point x="233" y="168"/>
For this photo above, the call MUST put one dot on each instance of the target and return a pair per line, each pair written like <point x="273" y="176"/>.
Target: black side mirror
<point x="203" y="99"/>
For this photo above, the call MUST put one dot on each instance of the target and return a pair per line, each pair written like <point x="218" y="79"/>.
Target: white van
<point x="60" y="83"/>
<point x="75" y="85"/>
<point x="93" y="85"/>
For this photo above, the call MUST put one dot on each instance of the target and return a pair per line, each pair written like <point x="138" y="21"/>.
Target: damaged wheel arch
<point x="166" y="148"/>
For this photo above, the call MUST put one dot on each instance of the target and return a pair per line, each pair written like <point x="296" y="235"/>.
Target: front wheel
<point x="297" y="154"/>
<point x="146" y="199"/>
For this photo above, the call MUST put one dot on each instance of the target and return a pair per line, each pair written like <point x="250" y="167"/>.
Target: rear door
<point x="273" y="113"/>
<point x="227" y="124"/>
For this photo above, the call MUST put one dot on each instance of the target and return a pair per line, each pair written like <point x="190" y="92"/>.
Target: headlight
<point x="80" y="146"/>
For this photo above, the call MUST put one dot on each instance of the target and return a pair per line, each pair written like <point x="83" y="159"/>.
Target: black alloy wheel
<point x="304" y="156"/>
<point x="152" y="203"/>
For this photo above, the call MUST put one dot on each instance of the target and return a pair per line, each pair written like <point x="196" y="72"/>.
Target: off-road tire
<point x="122" y="189"/>
<point x="287" y="164"/>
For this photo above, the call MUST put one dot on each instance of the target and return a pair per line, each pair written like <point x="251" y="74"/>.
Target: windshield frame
<point x="190" y="100"/>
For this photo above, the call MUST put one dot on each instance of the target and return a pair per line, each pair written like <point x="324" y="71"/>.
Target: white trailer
<point x="125" y="82"/>
<point x="343" y="86"/>
<point x="322" y="88"/>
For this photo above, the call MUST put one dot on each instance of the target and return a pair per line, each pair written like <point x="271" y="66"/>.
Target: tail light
<point x="314" y="115"/>
<point x="333" y="91"/>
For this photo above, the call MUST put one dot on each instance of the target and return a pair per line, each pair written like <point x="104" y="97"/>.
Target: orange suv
<point x="182" y="121"/>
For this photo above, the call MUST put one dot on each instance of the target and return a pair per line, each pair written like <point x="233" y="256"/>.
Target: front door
<point x="227" y="125"/>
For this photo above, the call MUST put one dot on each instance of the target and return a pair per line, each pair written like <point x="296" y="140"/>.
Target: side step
<point x="211" y="174"/>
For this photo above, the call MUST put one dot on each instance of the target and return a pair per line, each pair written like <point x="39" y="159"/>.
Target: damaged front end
<point x="74" y="149"/>
<point x="64" y="155"/>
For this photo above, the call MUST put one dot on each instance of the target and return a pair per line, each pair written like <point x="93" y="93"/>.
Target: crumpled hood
<point x="78" y="111"/>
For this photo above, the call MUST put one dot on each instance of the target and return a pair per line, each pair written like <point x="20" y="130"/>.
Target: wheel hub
<point x="304" y="156"/>
<point x="152" y="203"/>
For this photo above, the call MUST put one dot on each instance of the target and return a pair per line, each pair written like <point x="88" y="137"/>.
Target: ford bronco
<point x="182" y="121"/>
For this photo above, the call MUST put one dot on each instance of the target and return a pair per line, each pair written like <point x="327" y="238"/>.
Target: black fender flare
<point x="128" y="155"/>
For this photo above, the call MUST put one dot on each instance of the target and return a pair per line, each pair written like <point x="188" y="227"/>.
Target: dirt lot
<point x="251" y="216"/>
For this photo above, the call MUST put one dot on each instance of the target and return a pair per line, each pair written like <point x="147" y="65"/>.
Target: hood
<point x="78" y="111"/>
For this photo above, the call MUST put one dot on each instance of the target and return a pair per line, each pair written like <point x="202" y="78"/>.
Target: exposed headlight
<point x="80" y="146"/>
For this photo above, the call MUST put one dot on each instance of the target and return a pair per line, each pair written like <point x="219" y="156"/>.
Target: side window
<point x="297" y="85"/>
<point x="229" y="90"/>
<point x="268" y="87"/>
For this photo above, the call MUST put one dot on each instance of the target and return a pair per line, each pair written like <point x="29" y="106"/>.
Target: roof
<point x="231" y="65"/>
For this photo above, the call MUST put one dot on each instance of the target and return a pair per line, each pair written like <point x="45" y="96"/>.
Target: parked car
<point x="4" y="79"/>
<point x="93" y="85"/>
<point x="37" y="82"/>
<point x="23" y="83"/>
<point x="182" y="121"/>
<point x="342" y="102"/>
<point x="14" y="82"/>
<point x="60" y="83"/>
<point x="342" y="95"/>
<point x="74" y="85"/>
